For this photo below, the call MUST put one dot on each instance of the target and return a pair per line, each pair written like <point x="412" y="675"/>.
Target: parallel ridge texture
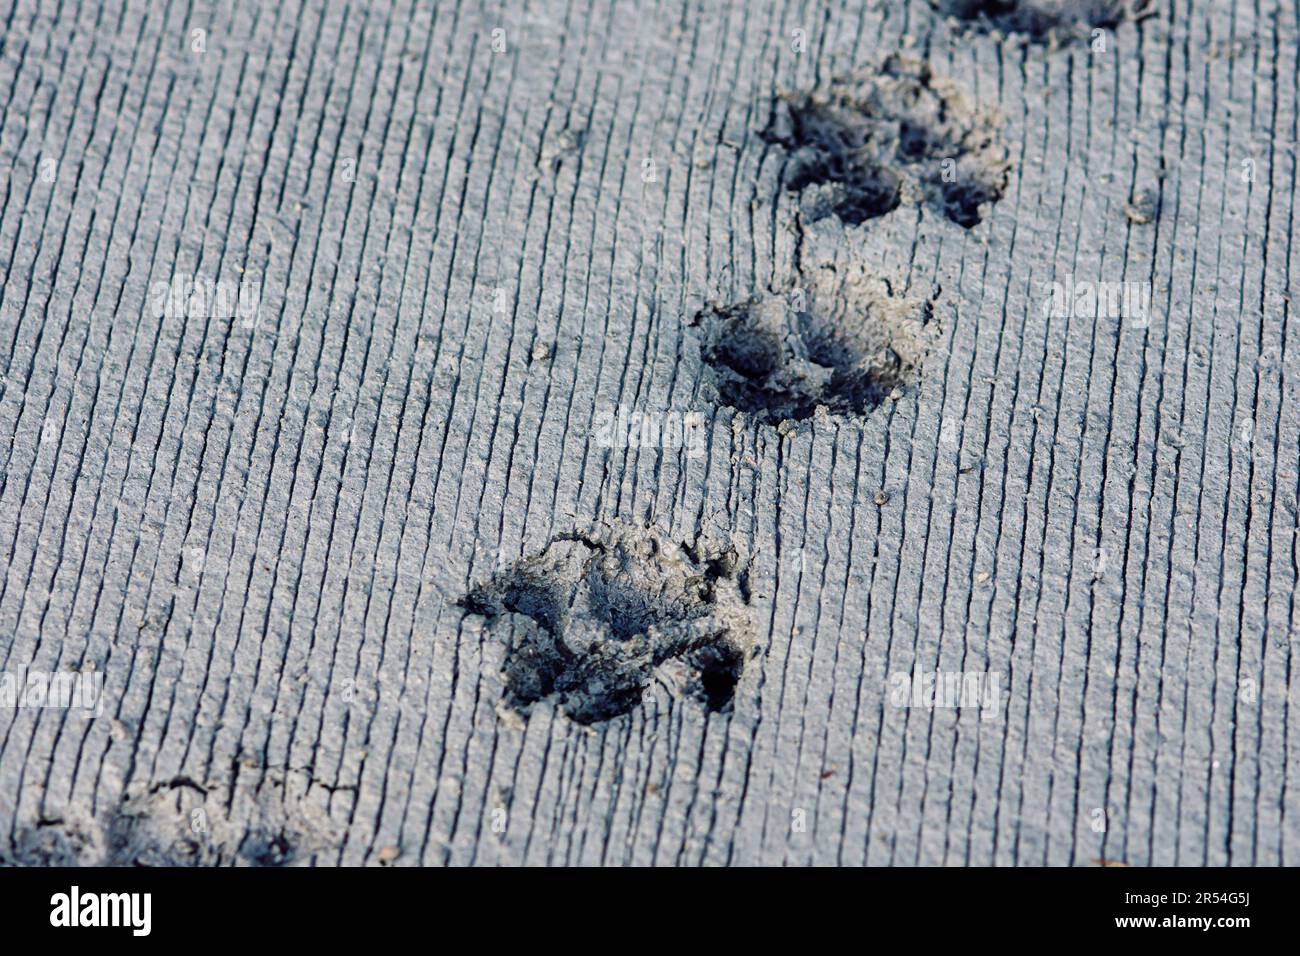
<point x="468" y="242"/>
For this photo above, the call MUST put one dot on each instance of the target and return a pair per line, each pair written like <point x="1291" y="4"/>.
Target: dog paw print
<point x="592" y="620"/>
<point x="1042" y="20"/>
<point x="900" y="135"/>
<point x="845" y="344"/>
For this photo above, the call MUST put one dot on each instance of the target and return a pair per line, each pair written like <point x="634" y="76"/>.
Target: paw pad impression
<point x="594" y="621"/>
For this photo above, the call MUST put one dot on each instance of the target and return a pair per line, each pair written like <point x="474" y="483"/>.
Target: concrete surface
<point x="466" y="249"/>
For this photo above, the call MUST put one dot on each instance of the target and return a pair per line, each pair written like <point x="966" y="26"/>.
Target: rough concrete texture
<point x="310" y="310"/>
